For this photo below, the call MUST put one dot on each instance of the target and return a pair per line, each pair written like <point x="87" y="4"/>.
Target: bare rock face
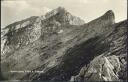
<point x="100" y="69"/>
<point x="108" y="66"/>
<point x="27" y="43"/>
<point x="59" y="45"/>
<point x="61" y="15"/>
<point x="24" y="32"/>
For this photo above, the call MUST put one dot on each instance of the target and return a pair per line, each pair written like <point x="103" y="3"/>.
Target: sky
<point x="16" y="10"/>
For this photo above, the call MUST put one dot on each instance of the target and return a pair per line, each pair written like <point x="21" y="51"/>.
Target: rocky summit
<point x="61" y="47"/>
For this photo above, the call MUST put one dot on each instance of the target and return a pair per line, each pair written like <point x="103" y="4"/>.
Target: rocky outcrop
<point x="100" y="69"/>
<point x="108" y="66"/>
<point x="58" y="45"/>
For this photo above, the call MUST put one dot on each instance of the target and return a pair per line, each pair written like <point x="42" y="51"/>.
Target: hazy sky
<point x="14" y="10"/>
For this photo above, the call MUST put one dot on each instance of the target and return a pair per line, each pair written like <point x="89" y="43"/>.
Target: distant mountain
<point x="63" y="47"/>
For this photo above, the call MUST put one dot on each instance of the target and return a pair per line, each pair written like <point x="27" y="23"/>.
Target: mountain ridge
<point x="58" y="47"/>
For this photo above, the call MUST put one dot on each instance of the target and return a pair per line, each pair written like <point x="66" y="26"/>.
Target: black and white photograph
<point x="63" y="40"/>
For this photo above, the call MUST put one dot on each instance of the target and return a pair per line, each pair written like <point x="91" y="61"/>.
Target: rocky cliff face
<point x="62" y="47"/>
<point x="111" y="64"/>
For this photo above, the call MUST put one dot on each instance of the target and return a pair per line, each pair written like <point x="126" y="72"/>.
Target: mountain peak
<point x="60" y="8"/>
<point x="61" y="15"/>
<point x="110" y="13"/>
<point x="110" y="16"/>
<point x="55" y="11"/>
